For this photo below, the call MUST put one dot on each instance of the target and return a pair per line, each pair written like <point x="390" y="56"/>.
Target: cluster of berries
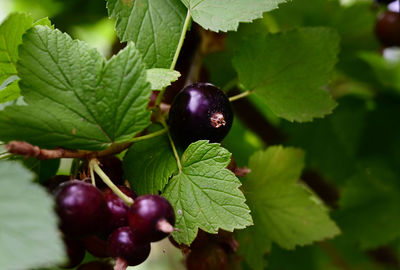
<point x="387" y="28"/>
<point x="97" y="220"/>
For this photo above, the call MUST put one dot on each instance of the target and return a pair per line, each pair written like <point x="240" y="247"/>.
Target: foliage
<point x="317" y="195"/>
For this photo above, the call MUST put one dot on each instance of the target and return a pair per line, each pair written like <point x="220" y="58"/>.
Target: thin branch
<point x="29" y="150"/>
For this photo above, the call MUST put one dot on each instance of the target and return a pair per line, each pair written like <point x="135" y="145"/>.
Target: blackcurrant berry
<point x="81" y="207"/>
<point x="384" y="2"/>
<point x="96" y="246"/>
<point x="75" y="252"/>
<point x="387" y="28"/>
<point x="95" y="265"/>
<point x="151" y="217"/>
<point x="117" y="210"/>
<point x="208" y="257"/>
<point x="124" y="244"/>
<point x="200" y="111"/>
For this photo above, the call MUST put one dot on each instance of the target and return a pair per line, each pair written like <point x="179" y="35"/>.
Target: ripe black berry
<point x="211" y="256"/>
<point x="75" y="252"/>
<point x="124" y="244"/>
<point x="81" y="207"/>
<point x="200" y="111"/>
<point x="387" y="28"/>
<point x="384" y="2"/>
<point x="151" y="217"/>
<point x="96" y="246"/>
<point x="117" y="210"/>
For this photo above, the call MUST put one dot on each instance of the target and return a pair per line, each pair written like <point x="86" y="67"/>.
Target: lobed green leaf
<point x="277" y="68"/>
<point x="160" y="78"/>
<point x="149" y="164"/>
<point x="75" y="98"/>
<point x="284" y="211"/>
<point x="225" y="15"/>
<point x="205" y="194"/>
<point x="154" y="26"/>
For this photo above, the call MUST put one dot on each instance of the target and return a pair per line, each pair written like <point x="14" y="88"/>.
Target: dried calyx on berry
<point x="151" y="217"/>
<point x="200" y="111"/>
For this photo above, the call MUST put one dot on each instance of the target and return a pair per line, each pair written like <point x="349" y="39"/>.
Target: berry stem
<point x="94" y="165"/>
<point x="181" y="40"/>
<point x="239" y="96"/>
<point x="177" y="52"/>
<point x="149" y="136"/>
<point x="177" y="158"/>
<point x="92" y="175"/>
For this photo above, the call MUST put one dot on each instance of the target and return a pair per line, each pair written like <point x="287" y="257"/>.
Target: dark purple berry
<point x="387" y="28"/>
<point x="124" y="244"/>
<point x="75" y="252"/>
<point x="96" y="265"/>
<point x="200" y="111"/>
<point x="211" y="256"/>
<point x="96" y="246"/>
<point x="81" y="207"/>
<point x="117" y="210"/>
<point x="384" y="2"/>
<point x="151" y="217"/>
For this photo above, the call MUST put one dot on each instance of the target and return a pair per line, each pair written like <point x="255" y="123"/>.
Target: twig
<point x="29" y="150"/>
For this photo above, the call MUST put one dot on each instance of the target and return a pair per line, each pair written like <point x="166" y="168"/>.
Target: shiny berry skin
<point x="96" y="265"/>
<point x="200" y="111"/>
<point x="124" y="244"/>
<point x="96" y="246"/>
<point x="147" y="216"/>
<point x="117" y="210"/>
<point x="387" y="28"/>
<point x="80" y="206"/>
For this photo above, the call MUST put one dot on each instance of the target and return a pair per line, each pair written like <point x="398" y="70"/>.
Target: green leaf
<point x="205" y="194"/>
<point x="225" y="15"/>
<point x="155" y="27"/>
<point x="370" y="200"/>
<point x="160" y="78"/>
<point x="75" y="98"/>
<point x="284" y="210"/>
<point x="279" y="72"/>
<point x="11" y="31"/>
<point x="10" y="92"/>
<point x="28" y="224"/>
<point x="386" y="71"/>
<point x="339" y="135"/>
<point x="149" y="164"/>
